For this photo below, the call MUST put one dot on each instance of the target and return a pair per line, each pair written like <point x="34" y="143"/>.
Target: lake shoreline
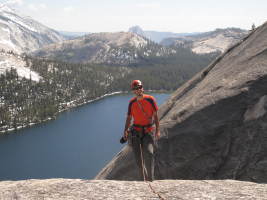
<point x="72" y="105"/>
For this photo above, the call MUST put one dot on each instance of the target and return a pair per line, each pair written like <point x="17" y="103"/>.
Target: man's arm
<point x="157" y="124"/>
<point x="127" y="125"/>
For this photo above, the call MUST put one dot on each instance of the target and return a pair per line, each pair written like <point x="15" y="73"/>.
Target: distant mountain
<point x="121" y="48"/>
<point x="208" y="42"/>
<point x="138" y="30"/>
<point x="156" y="36"/>
<point x="19" y="33"/>
<point x="72" y="35"/>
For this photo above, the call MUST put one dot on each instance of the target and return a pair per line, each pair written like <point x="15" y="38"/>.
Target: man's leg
<point x="148" y="149"/>
<point x="136" y="142"/>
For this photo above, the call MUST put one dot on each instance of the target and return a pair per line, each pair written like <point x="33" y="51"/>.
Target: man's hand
<point x="125" y="135"/>
<point x="157" y="134"/>
<point x="127" y="125"/>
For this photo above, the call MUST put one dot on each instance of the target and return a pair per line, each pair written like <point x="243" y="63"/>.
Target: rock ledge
<point x="108" y="189"/>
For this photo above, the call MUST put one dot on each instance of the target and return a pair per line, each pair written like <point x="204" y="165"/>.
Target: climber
<point x="140" y="134"/>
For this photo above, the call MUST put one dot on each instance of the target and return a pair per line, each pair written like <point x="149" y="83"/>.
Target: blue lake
<point x="78" y="144"/>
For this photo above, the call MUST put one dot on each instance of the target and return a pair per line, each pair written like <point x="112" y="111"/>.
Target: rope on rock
<point x="143" y="170"/>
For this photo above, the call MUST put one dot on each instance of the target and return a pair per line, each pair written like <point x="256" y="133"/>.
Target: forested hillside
<point x="64" y="85"/>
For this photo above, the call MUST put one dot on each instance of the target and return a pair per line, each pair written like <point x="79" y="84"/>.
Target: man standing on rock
<point x="143" y="110"/>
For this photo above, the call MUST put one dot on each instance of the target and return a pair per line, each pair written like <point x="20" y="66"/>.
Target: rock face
<point x="215" y="125"/>
<point x="20" y="34"/>
<point x="121" y="48"/>
<point x="209" y="42"/>
<point x="69" y="189"/>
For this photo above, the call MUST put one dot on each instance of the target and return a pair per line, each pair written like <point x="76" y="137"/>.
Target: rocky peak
<point x="20" y="33"/>
<point x="117" y="39"/>
<point x="120" y="48"/>
<point x="214" y="126"/>
<point x="137" y="30"/>
<point x="208" y="42"/>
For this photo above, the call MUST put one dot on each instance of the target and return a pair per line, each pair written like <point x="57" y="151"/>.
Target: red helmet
<point x="135" y="83"/>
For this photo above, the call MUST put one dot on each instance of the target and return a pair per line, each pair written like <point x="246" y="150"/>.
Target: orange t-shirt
<point x="149" y="105"/>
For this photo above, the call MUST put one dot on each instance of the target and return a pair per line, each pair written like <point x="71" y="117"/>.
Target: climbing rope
<point x="143" y="171"/>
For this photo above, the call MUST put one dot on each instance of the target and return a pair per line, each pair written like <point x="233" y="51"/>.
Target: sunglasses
<point x="138" y="87"/>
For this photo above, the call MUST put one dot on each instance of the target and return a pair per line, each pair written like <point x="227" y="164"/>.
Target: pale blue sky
<point x="160" y="15"/>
